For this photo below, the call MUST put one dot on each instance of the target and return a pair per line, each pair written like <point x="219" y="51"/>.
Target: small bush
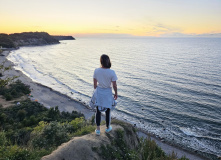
<point x="85" y="130"/>
<point x="118" y="149"/>
<point x="3" y="140"/>
<point x="17" y="153"/>
<point x="14" y="90"/>
<point x="150" y="150"/>
<point x="53" y="134"/>
<point x="8" y="96"/>
<point x="14" y="153"/>
<point x="53" y="113"/>
<point x="3" y="118"/>
<point x="77" y="123"/>
<point x="21" y="114"/>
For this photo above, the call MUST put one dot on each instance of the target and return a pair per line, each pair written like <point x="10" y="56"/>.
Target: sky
<point x="160" y="18"/>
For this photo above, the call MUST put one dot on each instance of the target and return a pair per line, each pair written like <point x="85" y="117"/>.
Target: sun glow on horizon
<point x="127" y="17"/>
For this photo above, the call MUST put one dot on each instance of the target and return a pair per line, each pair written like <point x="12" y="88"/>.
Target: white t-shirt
<point x="104" y="76"/>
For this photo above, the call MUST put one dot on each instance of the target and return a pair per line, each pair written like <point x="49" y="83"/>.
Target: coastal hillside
<point x="60" y="38"/>
<point x="6" y="41"/>
<point x="118" y="143"/>
<point x="30" y="39"/>
<point x="122" y="143"/>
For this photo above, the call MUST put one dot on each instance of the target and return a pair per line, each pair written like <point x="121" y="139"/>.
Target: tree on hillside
<point x="5" y="80"/>
<point x="6" y="42"/>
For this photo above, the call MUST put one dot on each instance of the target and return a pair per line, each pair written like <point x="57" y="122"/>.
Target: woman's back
<point x="104" y="76"/>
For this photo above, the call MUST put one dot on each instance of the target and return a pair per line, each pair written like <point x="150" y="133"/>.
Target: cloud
<point x="103" y="35"/>
<point x="160" y="28"/>
<point x="163" y="30"/>
<point x="177" y="34"/>
<point x="209" y="35"/>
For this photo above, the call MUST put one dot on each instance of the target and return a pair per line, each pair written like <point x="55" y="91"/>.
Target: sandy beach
<point x="50" y="98"/>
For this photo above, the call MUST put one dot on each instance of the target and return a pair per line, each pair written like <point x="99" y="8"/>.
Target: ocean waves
<point x="169" y="87"/>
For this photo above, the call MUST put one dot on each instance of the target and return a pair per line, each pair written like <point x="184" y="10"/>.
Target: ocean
<point x="170" y="87"/>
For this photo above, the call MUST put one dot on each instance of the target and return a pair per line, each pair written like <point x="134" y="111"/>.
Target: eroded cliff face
<point x="31" y="42"/>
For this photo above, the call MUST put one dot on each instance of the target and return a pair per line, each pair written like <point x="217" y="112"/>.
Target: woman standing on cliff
<point x="102" y="98"/>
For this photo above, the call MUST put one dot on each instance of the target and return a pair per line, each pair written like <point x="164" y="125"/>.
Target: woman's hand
<point x="115" y="96"/>
<point x="115" y="89"/>
<point x="95" y="83"/>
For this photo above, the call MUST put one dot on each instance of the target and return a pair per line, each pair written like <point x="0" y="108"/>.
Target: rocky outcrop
<point x="26" y="39"/>
<point x="88" y="146"/>
<point x="60" y="38"/>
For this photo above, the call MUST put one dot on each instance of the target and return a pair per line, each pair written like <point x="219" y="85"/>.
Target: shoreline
<point x="51" y="98"/>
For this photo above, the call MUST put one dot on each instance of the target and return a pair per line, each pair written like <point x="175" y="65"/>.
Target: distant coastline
<point x="17" y="40"/>
<point x="60" y="38"/>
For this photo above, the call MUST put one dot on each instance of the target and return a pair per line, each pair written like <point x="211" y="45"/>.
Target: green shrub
<point x="53" y="113"/>
<point x="70" y="116"/>
<point x="77" y="123"/>
<point x="150" y="150"/>
<point x="183" y="158"/>
<point x="21" y="136"/>
<point x="39" y="128"/>
<point x="3" y="140"/>
<point x="118" y="149"/>
<point x="21" y="114"/>
<point x="53" y="134"/>
<point x="14" y="90"/>
<point x="3" y="118"/>
<point x="8" y="96"/>
<point x="85" y="130"/>
<point x="15" y="152"/>
<point x="38" y="154"/>
<point x="92" y="120"/>
<point x="25" y="130"/>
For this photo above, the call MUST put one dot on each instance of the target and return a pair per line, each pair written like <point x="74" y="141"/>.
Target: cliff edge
<point x="100" y="147"/>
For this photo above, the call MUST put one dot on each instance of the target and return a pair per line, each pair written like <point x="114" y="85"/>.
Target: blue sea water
<point x="170" y="87"/>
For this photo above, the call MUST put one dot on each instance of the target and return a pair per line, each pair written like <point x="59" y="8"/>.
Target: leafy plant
<point x="3" y="140"/>
<point x="6" y="80"/>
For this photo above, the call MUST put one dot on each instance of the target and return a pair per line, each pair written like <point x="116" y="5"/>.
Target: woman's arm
<point x="115" y="89"/>
<point x="95" y="83"/>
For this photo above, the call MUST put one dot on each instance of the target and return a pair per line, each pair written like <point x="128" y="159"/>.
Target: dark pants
<point x="98" y="117"/>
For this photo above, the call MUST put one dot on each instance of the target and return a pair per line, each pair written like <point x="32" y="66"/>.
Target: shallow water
<point x="168" y="86"/>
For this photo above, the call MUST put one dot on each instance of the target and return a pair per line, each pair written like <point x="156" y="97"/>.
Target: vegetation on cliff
<point x="122" y="148"/>
<point x="14" y="90"/>
<point x="26" y="39"/>
<point x="32" y="38"/>
<point x="29" y="131"/>
<point x="6" y="41"/>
